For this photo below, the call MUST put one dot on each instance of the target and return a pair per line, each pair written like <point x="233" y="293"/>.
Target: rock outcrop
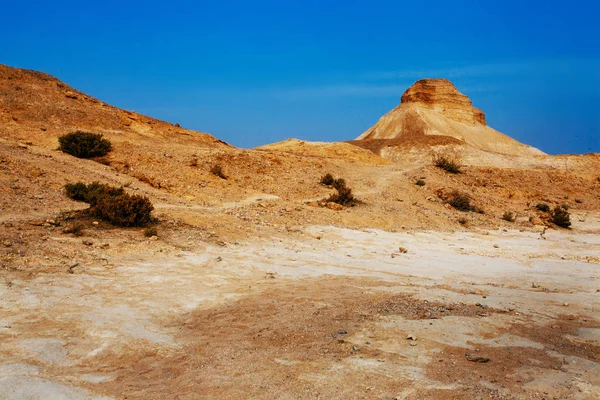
<point x="441" y="95"/>
<point x="432" y="112"/>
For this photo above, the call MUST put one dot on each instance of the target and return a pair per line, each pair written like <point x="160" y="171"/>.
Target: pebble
<point x="411" y="337"/>
<point x="6" y="243"/>
<point x="402" y="250"/>
<point x="87" y="242"/>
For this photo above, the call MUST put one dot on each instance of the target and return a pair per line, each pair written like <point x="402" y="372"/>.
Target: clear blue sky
<point x="253" y="72"/>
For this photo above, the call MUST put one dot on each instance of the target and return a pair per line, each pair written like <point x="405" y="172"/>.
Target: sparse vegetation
<point x="217" y="170"/>
<point x="543" y="207"/>
<point x="84" y="144"/>
<point x="561" y="217"/>
<point x="344" y="194"/>
<point x="461" y="201"/>
<point x="508" y="216"/>
<point x="112" y="204"/>
<point x="339" y="183"/>
<point x="447" y="162"/>
<point x="420" y="182"/>
<point x="150" y="231"/>
<point x="327" y="179"/>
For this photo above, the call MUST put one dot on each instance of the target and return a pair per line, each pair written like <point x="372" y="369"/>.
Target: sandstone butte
<point x="433" y="111"/>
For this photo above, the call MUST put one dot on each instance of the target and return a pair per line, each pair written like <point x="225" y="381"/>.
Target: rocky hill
<point x="433" y="112"/>
<point x="37" y="107"/>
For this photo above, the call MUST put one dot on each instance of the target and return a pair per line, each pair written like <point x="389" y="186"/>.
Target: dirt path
<point x="325" y="314"/>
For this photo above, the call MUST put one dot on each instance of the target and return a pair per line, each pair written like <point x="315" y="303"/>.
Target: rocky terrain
<point x="253" y="286"/>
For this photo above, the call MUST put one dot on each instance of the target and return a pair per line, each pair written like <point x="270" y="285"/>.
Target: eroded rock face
<point x="441" y="95"/>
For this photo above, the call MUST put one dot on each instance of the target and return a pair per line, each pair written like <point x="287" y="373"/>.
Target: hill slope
<point x="37" y="107"/>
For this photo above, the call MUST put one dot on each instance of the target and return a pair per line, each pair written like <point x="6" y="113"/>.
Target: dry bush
<point x="543" y="207"/>
<point x="448" y="162"/>
<point x="84" y="144"/>
<point x="461" y="201"/>
<point x="111" y="204"/>
<point x="561" y="217"/>
<point x="339" y="183"/>
<point x="327" y="180"/>
<point x="217" y="170"/>
<point x="508" y="216"/>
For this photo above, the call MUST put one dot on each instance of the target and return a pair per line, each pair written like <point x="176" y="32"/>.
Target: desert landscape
<point x="430" y="257"/>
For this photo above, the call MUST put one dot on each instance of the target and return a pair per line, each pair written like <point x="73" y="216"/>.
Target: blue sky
<point x="262" y="71"/>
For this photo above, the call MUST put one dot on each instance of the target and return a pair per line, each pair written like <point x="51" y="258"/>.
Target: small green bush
<point x="217" y="170"/>
<point x="112" y="204"/>
<point x="327" y="180"/>
<point x="449" y="163"/>
<point x="543" y="207"/>
<point x="84" y="144"/>
<point x="561" y="217"/>
<point x="508" y="216"/>
<point x="420" y="182"/>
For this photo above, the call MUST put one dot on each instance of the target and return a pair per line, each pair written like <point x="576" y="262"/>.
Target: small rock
<point x="6" y="243"/>
<point x="402" y="250"/>
<point x="566" y="304"/>
<point x="413" y="343"/>
<point x="496" y="246"/>
<point x="95" y="222"/>
<point x="153" y="238"/>
<point x="535" y="285"/>
<point x="342" y="332"/>
<point x="87" y="242"/>
<point x="411" y="337"/>
<point x="219" y="259"/>
<point x="477" y="358"/>
<point x="355" y="348"/>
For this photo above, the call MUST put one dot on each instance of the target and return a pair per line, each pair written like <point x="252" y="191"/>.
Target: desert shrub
<point x="420" y="182"/>
<point x="150" y="231"/>
<point x="327" y="180"/>
<point x="449" y="163"/>
<point x="84" y="144"/>
<point x="461" y="201"/>
<point x="561" y="217"/>
<point x="343" y="196"/>
<point x="112" y="204"/>
<point x="543" y="207"/>
<point x="217" y="170"/>
<point x="508" y="216"/>
<point x="339" y="183"/>
<point x="90" y="193"/>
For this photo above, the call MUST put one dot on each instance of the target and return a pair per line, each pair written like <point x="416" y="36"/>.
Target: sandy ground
<point x="323" y="312"/>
